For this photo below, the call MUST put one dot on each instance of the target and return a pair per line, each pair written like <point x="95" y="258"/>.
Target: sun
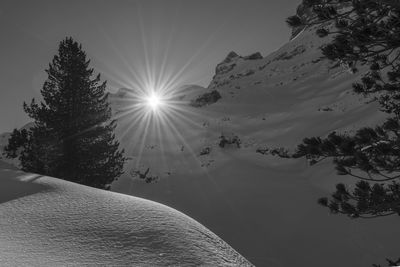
<point x="154" y="101"/>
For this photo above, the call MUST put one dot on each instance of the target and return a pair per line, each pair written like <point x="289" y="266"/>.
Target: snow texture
<point x="45" y="221"/>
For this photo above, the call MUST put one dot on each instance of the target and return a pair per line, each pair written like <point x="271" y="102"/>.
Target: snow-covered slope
<point x="45" y="221"/>
<point x="265" y="207"/>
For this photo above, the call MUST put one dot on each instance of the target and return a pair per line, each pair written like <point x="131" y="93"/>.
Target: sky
<point x="177" y="41"/>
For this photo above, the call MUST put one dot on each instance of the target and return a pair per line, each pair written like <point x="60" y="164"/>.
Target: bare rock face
<point x="305" y="14"/>
<point x="254" y="56"/>
<point x="227" y="64"/>
<point x="230" y="62"/>
<point x="206" y="99"/>
<point x="230" y="57"/>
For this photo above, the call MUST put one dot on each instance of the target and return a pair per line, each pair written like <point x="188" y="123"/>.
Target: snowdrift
<point x="45" y="221"/>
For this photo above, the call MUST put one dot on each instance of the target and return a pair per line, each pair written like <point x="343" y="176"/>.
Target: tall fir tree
<point x="73" y="133"/>
<point x="365" y="32"/>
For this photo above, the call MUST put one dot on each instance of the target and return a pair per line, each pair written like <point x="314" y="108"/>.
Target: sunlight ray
<point x="195" y="55"/>
<point x="164" y="60"/>
<point x="143" y="140"/>
<point x="178" y="134"/>
<point x="128" y="111"/>
<point x="148" y="73"/>
<point x="186" y="119"/>
<point x="159" y="130"/>
<point x="138" y="122"/>
<point x="130" y="67"/>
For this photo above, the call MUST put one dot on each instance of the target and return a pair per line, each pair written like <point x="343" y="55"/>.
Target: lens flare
<point x="154" y="101"/>
<point x="156" y="123"/>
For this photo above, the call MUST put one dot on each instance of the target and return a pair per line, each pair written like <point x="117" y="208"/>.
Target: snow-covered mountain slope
<point x="265" y="207"/>
<point x="45" y="221"/>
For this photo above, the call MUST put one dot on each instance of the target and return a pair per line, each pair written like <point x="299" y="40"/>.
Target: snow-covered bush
<point x="229" y="141"/>
<point x="205" y="151"/>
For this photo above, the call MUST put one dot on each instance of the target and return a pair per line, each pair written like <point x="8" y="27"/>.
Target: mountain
<point x="263" y="206"/>
<point x="50" y="222"/>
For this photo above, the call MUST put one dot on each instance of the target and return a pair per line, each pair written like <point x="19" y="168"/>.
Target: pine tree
<point x="72" y="137"/>
<point x="365" y="32"/>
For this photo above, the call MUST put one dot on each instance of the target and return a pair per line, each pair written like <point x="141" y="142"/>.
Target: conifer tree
<point x="365" y="33"/>
<point x="73" y="133"/>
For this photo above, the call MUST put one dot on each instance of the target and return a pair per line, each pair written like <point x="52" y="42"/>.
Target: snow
<point x="266" y="207"/>
<point x="50" y="222"/>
